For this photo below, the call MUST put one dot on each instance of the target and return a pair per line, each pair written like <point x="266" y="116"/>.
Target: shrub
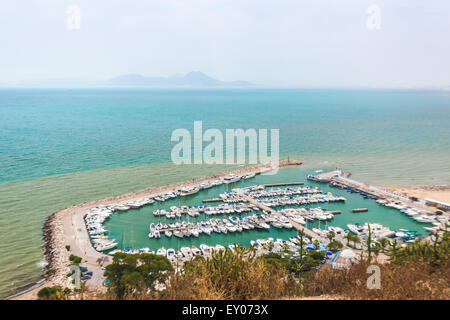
<point x="50" y="293"/>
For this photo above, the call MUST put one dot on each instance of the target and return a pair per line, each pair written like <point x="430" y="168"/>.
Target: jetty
<point x="297" y="226"/>
<point x="283" y="184"/>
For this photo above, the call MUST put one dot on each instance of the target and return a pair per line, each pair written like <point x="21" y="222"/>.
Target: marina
<point x="249" y="212"/>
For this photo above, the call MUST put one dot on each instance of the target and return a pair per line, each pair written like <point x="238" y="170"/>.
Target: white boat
<point x="194" y="232"/>
<point x="188" y="191"/>
<point x="186" y="251"/>
<point x="206" y="250"/>
<point x="178" y="234"/>
<point x="196" y="251"/>
<point x="168" y="233"/>
<point x="170" y="253"/>
<point x="231" y="178"/>
<point x="249" y="175"/>
<point x="161" y="252"/>
<point x="219" y="247"/>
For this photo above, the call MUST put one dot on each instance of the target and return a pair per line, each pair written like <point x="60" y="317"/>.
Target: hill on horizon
<point x="191" y="79"/>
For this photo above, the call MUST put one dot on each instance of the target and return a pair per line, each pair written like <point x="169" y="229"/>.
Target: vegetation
<point x="52" y="293"/>
<point x="67" y="247"/>
<point x="228" y="275"/>
<point x="75" y="259"/>
<point x="134" y="276"/>
<point x="417" y="271"/>
<point x="335" y="246"/>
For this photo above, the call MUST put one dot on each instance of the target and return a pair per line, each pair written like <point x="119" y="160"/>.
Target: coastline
<point x="66" y="227"/>
<point x="439" y="193"/>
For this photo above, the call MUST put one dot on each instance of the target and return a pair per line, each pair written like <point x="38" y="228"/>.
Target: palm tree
<point x="383" y="243"/>
<point x="348" y="237"/>
<point x="331" y="235"/>
<point x="316" y="244"/>
<point x="356" y="240"/>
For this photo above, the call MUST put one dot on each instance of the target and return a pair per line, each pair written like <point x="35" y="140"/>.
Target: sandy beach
<point x="66" y="227"/>
<point x="436" y="193"/>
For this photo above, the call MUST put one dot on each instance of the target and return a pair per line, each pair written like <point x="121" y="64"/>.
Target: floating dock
<point x="283" y="184"/>
<point x="360" y="210"/>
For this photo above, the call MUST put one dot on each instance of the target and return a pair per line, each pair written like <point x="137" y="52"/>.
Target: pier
<point x="283" y="184"/>
<point x="297" y="226"/>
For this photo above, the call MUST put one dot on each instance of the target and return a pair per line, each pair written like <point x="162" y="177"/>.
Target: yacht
<point x="178" y="233"/>
<point x="186" y="251"/>
<point x="170" y="253"/>
<point x="219" y="247"/>
<point x="249" y="175"/>
<point x="195" y="251"/>
<point x="188" y="191"/>
<point x="206" y="250"/>
<point x="231" y="178"/>
<point x="161" y="252"/>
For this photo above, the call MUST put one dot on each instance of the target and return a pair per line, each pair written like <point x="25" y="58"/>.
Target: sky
<point x="316" y="43"/>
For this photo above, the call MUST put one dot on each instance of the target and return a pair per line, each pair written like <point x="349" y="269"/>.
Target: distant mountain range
<point x="191" y="79"/>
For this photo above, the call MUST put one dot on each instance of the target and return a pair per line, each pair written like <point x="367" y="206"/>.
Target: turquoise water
<point x="130" y="228"/>
<point x="60" y="147"/>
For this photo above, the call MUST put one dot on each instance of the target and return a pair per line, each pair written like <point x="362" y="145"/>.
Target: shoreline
<point x="439" y="193"/>
<point x="67" y="227"/>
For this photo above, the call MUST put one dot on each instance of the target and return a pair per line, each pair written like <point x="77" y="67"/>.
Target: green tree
<point x="335" y="246"/>
<point x="130" y="275"/>
<point x="50" y="293"/>
<point x="331" y="235"/>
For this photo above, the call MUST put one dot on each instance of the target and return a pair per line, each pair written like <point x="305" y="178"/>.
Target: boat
<point x="170" y="253"/>
<point x="168" y="233"/>
<point x="206" y="250"/>
<point x="178" y="234"/>
<point x="186" y="251"/>
<point x="231" y="178"/>
<point x="249" y="175"/>
<point x="188" y="191"/>
<point x="196" y="251"/>
<point x="161" y="252"/>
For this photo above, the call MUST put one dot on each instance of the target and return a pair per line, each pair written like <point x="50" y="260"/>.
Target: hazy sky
<point x="272" y="42"/>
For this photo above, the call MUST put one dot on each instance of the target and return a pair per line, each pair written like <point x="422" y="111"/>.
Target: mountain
<point x="191" y="79"/>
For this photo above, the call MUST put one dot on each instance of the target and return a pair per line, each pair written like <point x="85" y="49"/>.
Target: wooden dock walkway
<point x="297" y="226"/>
<point x="283" y="184"/>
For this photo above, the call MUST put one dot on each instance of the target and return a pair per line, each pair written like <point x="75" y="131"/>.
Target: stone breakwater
<point x="55" y="252"/>
<point x="66" y="226"/>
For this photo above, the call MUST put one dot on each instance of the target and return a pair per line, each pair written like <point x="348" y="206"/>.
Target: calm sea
<point x="59" y="147"/>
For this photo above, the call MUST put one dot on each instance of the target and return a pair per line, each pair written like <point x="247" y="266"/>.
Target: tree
<point x="369" y="244"/>
<point x="130" y="275"/>
<point x="331" y="235"/>
<point x="50" y="293"/>
<point x="316" y="244"/>
<point x="383" y="242"/>
<point x="335" y="246"/>
<point x="349" y="237"/>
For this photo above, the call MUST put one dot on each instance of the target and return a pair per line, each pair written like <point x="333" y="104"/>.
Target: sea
<point x="60" y="147"/>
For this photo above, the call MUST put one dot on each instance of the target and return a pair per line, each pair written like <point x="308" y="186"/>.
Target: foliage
<point x="51" y="293"/>
<point x="132" y="275"/>
<point x="75" y="259"/>
<point x="231" y="275"/>
<point x="335" y="246"/>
